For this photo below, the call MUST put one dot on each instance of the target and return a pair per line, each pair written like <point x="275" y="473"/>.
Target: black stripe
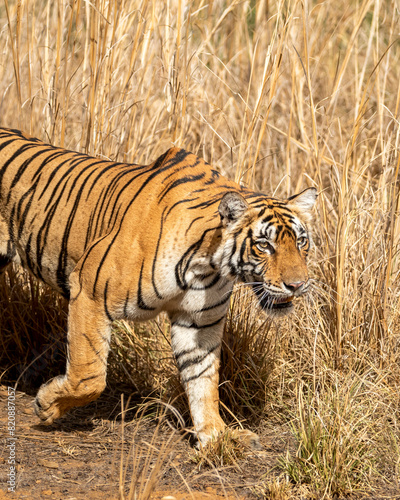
<point x="4" y="261"/>
<point x="262" y="212"/>
<point x="48" y="160"/>
<point x="197" y="360"/>
<point x="213" y="282"/>
<point x="30" y="262"/>
<point x="44" y="228"/>
<point x="23" y="216"/>
<point x="113" y="210"/>
<point x="107" y="311"/>
<point x="178" y="157"/>
<point x="6" y="132"/>
<point x="153" y="267"/>
<point x="88" y="378"/>
<point x="178" y="182"/>
<point x="100" y="210"/>
<point x="61" y="274"/>
<point x="176" y="171"/>
<point x="90" y="342"/>
<point x="184" y="262"/>
<point x="126" y="169"/>
<point x="196" y="326"/>
<point x="155" y="172"/>
<point x="54" y="171"/>
<point x="140" y="300"/>
<point x="126" y="305"/>
<point x="11" y="224"/>
<point x="26" y="164"/>
<point x="193" y="377"/>
<point x="12" y="158"/>
<point x="105" y="199"/>
<point x="144" y="170"/>
<point x="267" y="219"/>
<point x="83" y="170"/>
<point x="64" y="179"/>
<point x="6" y="143"/>
<point x="242" y="250"/>
<point x="192" y="222"/>
<point x="215" y="199"/>
<point x="186" y="200"/>
<point x="232" y="267"/>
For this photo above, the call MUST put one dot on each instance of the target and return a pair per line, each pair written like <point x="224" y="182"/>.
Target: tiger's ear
<point x="304" y="200"/>
<point x="232" y="207"/>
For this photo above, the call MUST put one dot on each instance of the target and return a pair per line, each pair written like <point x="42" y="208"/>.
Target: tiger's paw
<point x="228" y="447"/>
<point x="59" y="395"/>
<point x="210" y="432"/>
<point x="248" y="439"/>
<point x="50" y="403"/>
<point x="48" y="415"/>
<point x="245" y="438"/>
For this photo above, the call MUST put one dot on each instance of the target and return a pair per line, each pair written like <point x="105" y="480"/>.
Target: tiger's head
<point x="265" y="243"/>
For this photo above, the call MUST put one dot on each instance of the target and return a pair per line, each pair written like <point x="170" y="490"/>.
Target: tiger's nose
<point x="296" y="285"/>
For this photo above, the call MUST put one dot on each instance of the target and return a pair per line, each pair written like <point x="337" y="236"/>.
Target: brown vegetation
<point x="279" y="95"/>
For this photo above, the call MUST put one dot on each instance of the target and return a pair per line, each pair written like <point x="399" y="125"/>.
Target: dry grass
<point x="141" y="469"/>
<point x="279" y="95"/>
<point x="336" y="432"/>
<point x="33" y="323"/>
<point x="223" y="450"/>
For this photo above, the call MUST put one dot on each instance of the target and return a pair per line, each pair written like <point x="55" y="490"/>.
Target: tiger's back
<point x="45" y="195"/>
<point x="128" y="241"/>
<point x="55" y="204"/>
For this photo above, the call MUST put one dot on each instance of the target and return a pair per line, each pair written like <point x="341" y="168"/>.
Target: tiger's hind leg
<point x="89" y="331"/>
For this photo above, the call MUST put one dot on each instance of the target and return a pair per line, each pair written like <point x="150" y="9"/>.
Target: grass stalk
<point x="279" y="96"/>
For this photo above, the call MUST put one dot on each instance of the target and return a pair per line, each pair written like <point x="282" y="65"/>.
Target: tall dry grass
<point x="279" y="95"/>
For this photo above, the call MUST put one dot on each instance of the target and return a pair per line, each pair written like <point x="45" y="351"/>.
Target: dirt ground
<point x="94" y="454"/>
<point x="86" y="456"/>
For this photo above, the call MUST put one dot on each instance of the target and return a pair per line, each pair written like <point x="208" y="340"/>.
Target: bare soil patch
<point x="85" y="454"/>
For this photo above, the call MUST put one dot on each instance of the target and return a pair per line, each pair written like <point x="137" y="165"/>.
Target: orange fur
<point x="129" y="241"/>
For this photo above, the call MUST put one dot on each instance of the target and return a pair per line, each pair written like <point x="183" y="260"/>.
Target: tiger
<point x="128" y="241"/>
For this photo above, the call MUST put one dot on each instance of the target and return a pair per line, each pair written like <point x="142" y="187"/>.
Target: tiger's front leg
<point x="197" y="346"/>
<point x="89" y="332"/>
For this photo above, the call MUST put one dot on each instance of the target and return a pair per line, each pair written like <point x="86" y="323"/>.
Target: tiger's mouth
<point x="270" y="303"/>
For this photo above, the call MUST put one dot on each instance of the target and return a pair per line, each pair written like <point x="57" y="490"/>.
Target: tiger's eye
<point x="265" y="246"/>
<point x="302" y="241"/>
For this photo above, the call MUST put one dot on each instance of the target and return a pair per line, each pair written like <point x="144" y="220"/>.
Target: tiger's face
<point x="265" y="244"/>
